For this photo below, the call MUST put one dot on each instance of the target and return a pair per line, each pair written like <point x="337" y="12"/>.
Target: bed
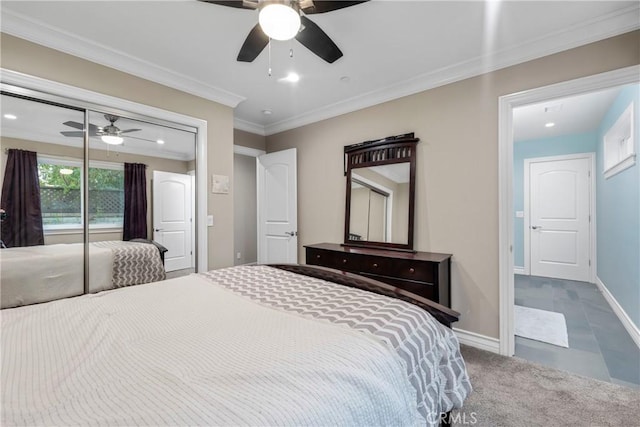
<point x="248" y="345"/>
<point x="43" y="273"/>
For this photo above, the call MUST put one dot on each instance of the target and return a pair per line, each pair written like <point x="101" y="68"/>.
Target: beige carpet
<point x="512" y="392"/>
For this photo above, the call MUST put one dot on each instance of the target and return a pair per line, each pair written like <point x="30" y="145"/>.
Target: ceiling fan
<point x="302" y="28"/>
<point x="110" y="134"/>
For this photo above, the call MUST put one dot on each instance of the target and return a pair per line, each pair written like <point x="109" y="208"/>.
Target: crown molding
<point x="247" y="151"/>
<point x="43" y="34"/>
<point x="248" y="126"/>
<point x="610" y="25"/>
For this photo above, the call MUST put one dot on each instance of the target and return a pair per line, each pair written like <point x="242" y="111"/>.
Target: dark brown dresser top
<point x="418" y="256"/>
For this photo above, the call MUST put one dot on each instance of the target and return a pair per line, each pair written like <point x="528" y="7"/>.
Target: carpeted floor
<point x="512" y="392"/>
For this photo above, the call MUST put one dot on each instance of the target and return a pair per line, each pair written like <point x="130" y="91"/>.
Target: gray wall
<point x="244" y="205"/>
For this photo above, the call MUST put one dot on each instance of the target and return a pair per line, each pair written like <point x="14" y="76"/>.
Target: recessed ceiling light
<point x="291" y="78"/>
<point x="160" y="141"/>
<point x="345" y="79"/>
<point x="10" y="116"/>
<point x="549" y="125"/>
<point x="266" y="112"/>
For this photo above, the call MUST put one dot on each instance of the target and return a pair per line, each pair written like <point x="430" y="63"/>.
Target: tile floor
<point x="599" y="346"/>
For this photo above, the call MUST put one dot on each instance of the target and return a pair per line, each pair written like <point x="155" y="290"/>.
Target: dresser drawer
<point x="326" y="259"/>
<point x="427" y="290"/>
<point x="412" y="270"/>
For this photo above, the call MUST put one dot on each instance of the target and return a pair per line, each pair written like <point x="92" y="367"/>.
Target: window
<point x="61" y="192"/>
<point x="619" y="150"/>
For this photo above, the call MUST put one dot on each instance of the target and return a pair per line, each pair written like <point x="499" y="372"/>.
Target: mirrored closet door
<point x="79" y="218"/>
<point x="42" y="227"/>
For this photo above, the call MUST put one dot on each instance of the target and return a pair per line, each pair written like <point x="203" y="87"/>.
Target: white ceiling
<point x="391" y="48"/>
<point x="572" y="115"/>
<point x="36" y="121"/>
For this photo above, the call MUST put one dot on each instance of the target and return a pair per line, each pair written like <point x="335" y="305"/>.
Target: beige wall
<point x="23" y="56"/>
<point x="457" y="176"/>
<point x="153" y="164"/>
<point x="251" y="140"/>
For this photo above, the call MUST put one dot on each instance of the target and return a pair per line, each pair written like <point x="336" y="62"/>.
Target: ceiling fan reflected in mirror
<point x="109" y="134"/>
<point x="284" y="20"/>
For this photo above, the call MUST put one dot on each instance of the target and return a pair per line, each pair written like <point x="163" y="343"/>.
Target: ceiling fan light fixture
<point x="112" y="139"/>
<point x="279" y="21"/>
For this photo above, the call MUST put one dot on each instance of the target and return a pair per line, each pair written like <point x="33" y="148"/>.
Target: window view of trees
<point x="61" y="195"/>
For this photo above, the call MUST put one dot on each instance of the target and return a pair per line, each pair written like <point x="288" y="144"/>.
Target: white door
<point x="277" y="207"/>
<point x="172" y="219"/>
<point x="559" y="218"/>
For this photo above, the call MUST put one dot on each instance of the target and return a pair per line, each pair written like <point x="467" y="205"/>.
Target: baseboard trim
<point x="519" y="270"/>
<point x="628" y="324"/>
<point x="482" y="342"/>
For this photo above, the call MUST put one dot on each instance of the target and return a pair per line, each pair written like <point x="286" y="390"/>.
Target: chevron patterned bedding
<point x="430" y="352"/>
<point x="187" y="352"/>
<point x="133" y="263"/>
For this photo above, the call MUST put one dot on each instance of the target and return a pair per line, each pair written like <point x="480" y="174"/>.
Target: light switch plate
<point x="210" y="220"/>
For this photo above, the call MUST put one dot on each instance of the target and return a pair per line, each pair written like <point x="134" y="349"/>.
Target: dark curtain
<point x="135" y="201"/>
<point x="21" y="200"/>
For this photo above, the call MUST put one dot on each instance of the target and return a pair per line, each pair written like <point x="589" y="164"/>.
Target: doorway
<point x="244" y="205"/>
<point x="585" y="304"/>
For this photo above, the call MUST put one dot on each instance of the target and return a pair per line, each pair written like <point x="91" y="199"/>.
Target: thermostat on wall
<point x="220" y="184"/>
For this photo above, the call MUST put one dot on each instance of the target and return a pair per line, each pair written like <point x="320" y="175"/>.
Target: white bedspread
<point x="187" y="352"/>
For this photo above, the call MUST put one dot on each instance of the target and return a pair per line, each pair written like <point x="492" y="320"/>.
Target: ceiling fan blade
<point x="130" y="130"/>
<point x="80" y="134"/>
<point x="255" y="42"/>
<point x="74" y="125"/>
<point x="321" y="6"/>
<point x="92" y="128"/>
<point x="317" y="41"/>
<point x="240" y="4"/>
<point x="74" y="133"/>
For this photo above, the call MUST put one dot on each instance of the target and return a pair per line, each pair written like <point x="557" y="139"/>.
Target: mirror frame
<point x="386" y="151"/>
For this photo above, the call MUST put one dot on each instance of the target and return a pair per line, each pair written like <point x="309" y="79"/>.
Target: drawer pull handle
<point x="412" y="270"/>
<point x="375" y="265"/>
<point x="344" y="261"/>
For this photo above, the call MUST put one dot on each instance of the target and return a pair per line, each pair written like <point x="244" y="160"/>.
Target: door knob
<point x="157" y="229"/>
<point x="291" y="233"/>
<point x="535" y="227"/>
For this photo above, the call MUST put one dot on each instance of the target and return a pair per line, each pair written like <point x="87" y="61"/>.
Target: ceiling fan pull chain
<point x="269" y="56"/>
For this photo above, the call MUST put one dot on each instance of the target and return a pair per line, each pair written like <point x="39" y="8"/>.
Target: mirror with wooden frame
<point x="380" y="195"/>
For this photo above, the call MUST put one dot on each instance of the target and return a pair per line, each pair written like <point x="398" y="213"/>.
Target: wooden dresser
<point x="424" y="273"/>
